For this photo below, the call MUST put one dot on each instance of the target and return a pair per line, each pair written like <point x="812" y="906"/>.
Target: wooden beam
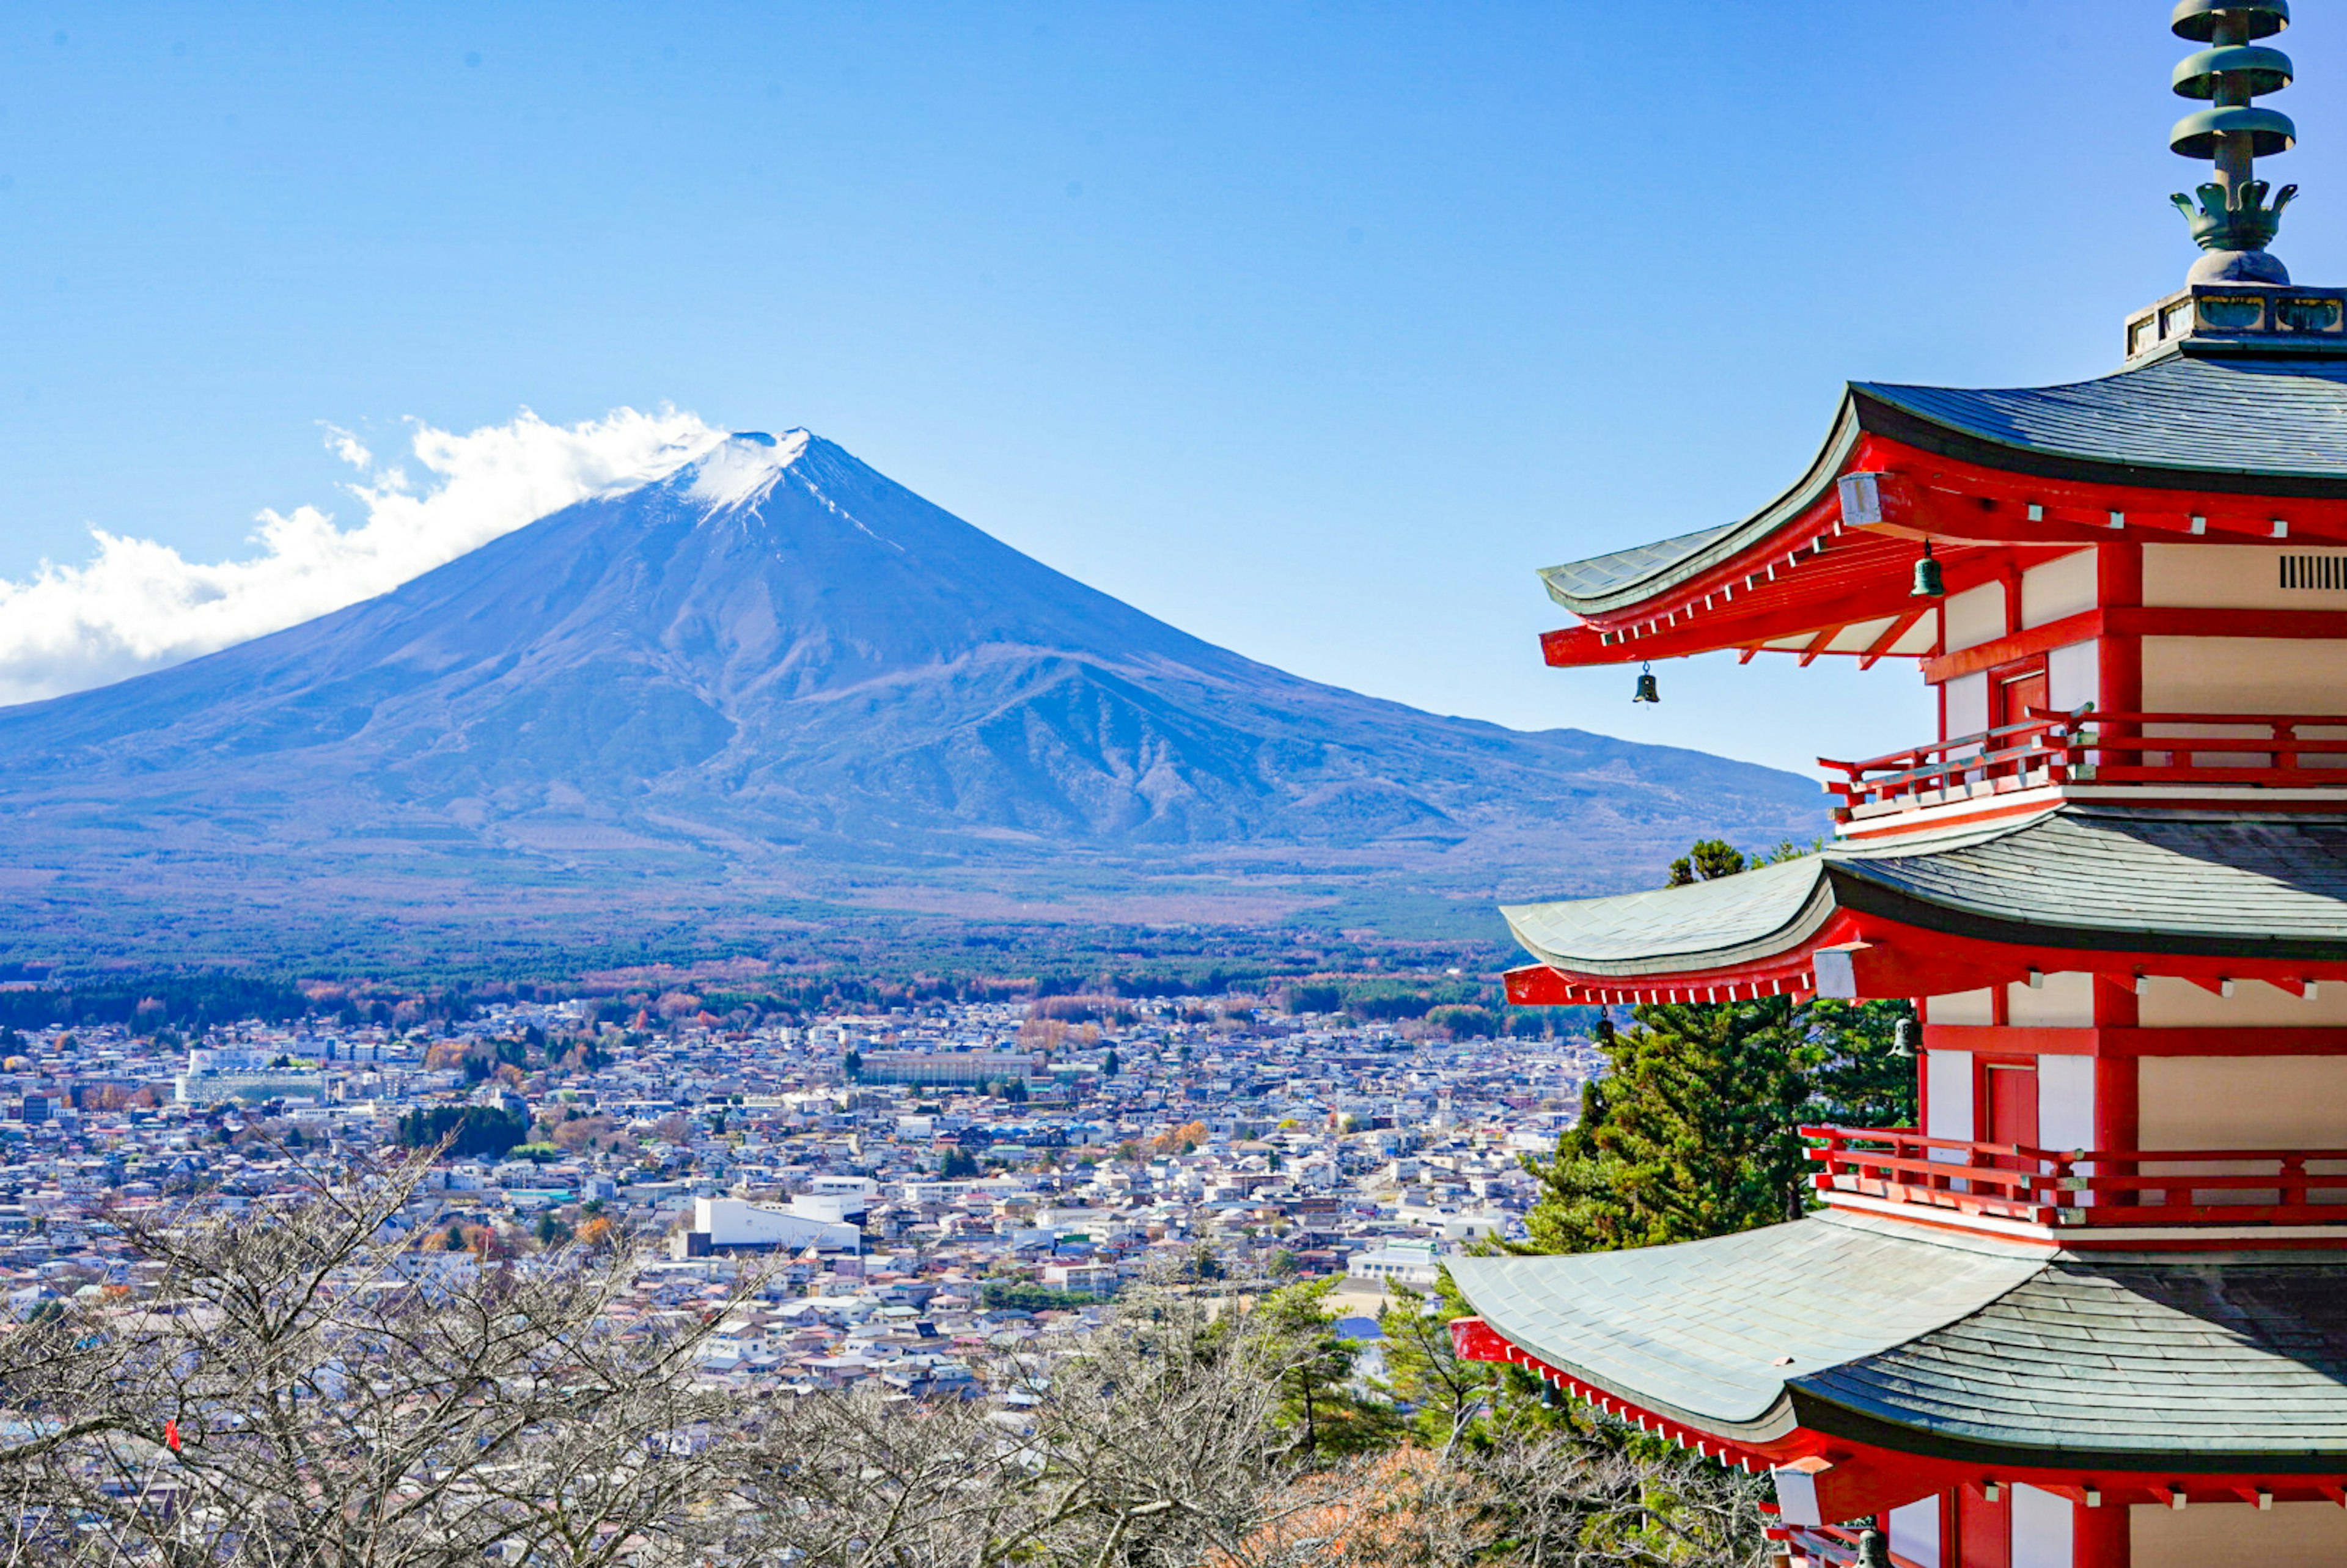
<point x="2140" y="620"/>
<point x="1891" y="634"/>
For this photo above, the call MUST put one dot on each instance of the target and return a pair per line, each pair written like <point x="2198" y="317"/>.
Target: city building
<point x="2093" y="1311"/>
<point x="945" y="1068"/>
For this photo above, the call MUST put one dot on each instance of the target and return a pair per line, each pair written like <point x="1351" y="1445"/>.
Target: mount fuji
<point x="765" y="690"/>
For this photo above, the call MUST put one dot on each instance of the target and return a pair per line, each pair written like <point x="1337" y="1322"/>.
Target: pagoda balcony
<point x="2086" y="1195"/>
<point x="2115" y="756"/>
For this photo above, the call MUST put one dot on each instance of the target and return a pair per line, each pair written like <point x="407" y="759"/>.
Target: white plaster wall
<point x="1963" y="1007"/>
<point x="2074" y="676"/>
<point x="2061" y="586"/>
<point x="2243" y="675"/>
<point x="2041" y="1529"/>
<point x="1967" y="700"/>
<point x="2065" y="1102"/>
<point x="2231" y="577"/>
<point x="2243" y="1102"/>
<point x="2064" y="999"/>
<point x="1974" y="616"/>
<point x="1915" y="1531"/>
<point x="2286" y="1535"/>
<point x="1948" y="1085"/>
<point x="2165" y="1002"/>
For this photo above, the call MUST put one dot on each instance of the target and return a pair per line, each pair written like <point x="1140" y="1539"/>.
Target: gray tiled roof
<point x="1698" y="1330"/>
<point x="2211" y="1357"/>
<point x="2244" y="425"/>
<point x="2232" y="879"/>
<point x="1836" y="1323"/>
<point x="2227" y="416"/>
<point x="1760" y="909"/>
<point x="1602" y="574"/>
<point x="2079" y="876"/>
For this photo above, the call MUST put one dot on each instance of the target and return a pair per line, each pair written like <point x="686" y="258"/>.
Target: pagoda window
<point x="2314" y="573"/>
<point x="2244" y="577"/>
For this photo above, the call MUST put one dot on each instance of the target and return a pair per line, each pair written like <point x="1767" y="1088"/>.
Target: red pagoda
<point x="2092" y="1312"/>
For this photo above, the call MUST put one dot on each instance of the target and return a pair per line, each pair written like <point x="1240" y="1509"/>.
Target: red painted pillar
<point x="2118" y="1103"/>
<point x="2119" y="584"/>
<point x="1984" y="1529"/>
<point x="2099" y="1536"/>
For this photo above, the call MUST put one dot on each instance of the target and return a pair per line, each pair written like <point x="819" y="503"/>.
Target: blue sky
<point x="1313" y="328"/>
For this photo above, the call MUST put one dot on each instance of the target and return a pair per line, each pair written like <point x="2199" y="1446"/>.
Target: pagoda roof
<point x="1951" y="1345"/>
<point x="2095" y="879"/>
<point x="2211" y="423"/>
<point x="2244" y="425"/>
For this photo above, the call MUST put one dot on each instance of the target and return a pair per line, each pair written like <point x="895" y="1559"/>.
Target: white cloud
<point x="137" y="605"/>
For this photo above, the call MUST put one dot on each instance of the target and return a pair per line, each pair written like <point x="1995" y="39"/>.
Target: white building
<point x="726" y="1223"/>
<point x="1416" y="1264"/>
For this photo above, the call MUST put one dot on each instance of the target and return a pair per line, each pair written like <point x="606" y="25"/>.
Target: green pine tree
<point x="1692" y="1129"/>
<point x="1324" y="1413"/>
<point x="1449" y="1399"/>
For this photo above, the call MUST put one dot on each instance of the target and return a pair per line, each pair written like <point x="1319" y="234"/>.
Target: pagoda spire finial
<point x="2233" y="223"/>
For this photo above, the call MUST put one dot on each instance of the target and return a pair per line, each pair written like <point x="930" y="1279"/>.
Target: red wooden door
<point x="2019" y="694"/>
<point x="2009" y="1096"/>
<point x="2012" y="1104"/>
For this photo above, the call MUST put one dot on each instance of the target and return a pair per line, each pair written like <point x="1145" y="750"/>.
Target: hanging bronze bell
<point x="1929" y="584"/>
<point x="1647" y="691"/>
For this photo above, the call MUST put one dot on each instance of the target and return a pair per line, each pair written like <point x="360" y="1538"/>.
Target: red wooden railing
<point x="2084" y="1186"/>
<point x="2052" y="747"/>
<point x="2204" y="748"/>
<point x="2017" y="756"/>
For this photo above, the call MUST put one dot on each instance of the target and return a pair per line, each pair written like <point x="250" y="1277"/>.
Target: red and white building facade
<point x="2091" y="1311"/>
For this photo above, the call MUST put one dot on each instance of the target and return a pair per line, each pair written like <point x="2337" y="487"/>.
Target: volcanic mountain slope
<point x="776" y="674"/>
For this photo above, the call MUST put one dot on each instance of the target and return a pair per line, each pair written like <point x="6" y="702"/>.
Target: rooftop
<point x="2086" y="879"/>
<point x="1972" y="1350"/>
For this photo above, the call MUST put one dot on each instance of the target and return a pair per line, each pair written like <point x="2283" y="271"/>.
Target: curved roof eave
<point x="1718" y="1334"/>
<point x="2177" y="424"/>
<point x="1709" y="547"/>
<point x="2161" y="882"/>
<point x="1958" y="1347"/>
<point x="1745" y="918"/>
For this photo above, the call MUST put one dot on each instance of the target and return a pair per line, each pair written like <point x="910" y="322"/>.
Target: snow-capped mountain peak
<point x="742" y="469"/>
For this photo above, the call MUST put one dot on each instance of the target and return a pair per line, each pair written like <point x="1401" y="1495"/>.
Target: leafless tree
<point x="1147" y="1442"/>
<point x="303" y="1390"/>
<point x="1572" y="1496"/>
